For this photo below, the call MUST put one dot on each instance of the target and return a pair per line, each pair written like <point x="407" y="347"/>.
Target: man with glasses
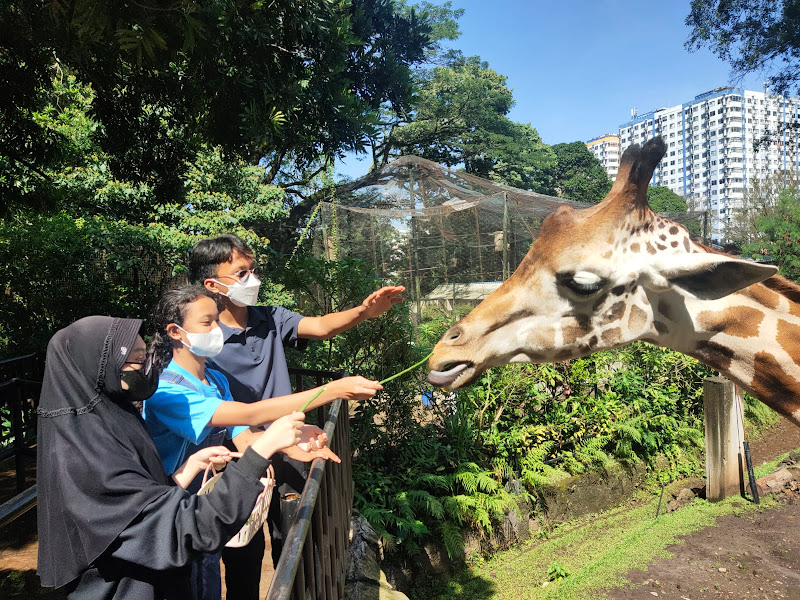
<point x="254" y="361"/>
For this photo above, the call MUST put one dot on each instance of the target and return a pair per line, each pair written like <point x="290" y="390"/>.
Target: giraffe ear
<point x="711" y="276"/>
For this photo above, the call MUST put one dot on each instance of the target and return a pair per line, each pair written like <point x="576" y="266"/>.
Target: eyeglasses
<point x="147" y="363"/>
<point x="256" y="270"/>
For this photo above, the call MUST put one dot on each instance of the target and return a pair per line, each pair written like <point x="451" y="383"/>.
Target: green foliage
<point x="663" y="199"/>
<point x="781" y="235"/>
<point x="753" y="36"/>
<point x="460" y="118"/>
<point x="578" y="175"/>
<point x="286" y="80"/>
<point x="556" y="571"/>
<point x="111" y="248"/>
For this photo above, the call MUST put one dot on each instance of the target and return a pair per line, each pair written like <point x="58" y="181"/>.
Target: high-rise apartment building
<point x="606" y="149"/>
<point x="711" y="156"/>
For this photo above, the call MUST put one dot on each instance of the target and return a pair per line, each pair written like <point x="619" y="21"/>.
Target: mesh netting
<point x="446" y="235"/>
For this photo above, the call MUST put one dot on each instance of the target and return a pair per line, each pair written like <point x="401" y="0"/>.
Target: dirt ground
<point x="749" y="556"/>
<point x="756" y="555"/>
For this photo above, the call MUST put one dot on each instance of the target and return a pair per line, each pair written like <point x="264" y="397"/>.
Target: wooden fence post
<point x="723" y="468"/>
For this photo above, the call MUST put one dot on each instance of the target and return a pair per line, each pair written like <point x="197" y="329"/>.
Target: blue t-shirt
<point x="253" y="358"/>
<point x="177" y="417"/>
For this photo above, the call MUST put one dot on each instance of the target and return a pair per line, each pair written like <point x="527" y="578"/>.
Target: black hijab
<point x="93" y="449"/>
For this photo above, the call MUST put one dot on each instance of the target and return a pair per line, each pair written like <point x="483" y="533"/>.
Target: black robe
<point x="110" y="523"/>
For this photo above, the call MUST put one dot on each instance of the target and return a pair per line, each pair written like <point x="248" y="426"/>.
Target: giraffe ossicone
<point x="604" y="276"/>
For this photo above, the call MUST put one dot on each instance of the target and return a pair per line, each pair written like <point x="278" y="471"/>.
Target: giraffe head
<point x="594" y="279"/>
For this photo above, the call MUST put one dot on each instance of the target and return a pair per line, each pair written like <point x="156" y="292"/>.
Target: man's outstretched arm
<point x="327" y="326"/>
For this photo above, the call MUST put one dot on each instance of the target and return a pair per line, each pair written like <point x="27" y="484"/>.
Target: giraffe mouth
<point x="450" y="375"/>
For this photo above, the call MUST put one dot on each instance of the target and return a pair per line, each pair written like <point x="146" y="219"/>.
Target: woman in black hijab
<point x="110" y="523"/>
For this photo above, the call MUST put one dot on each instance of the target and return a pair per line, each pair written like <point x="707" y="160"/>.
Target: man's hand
<point x="379" y="302"/>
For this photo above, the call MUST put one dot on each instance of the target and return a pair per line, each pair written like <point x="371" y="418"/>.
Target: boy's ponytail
<point x="172" y="308"/>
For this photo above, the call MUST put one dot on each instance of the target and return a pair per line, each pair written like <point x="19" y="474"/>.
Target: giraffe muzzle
<point x="448" y="376"/>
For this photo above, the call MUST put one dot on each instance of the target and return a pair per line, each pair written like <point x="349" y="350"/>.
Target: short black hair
<point x="206" y="255"/>
<point x="172" y="308"/>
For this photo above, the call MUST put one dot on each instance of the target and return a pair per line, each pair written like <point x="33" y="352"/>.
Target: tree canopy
<point x="283" y="79"/>
<point x="460" y="118"/>
<point x="578" y="175"/>
<point x="781" y="235"/>
<point x="754" y="36"/>
<point x="663" y="199"/>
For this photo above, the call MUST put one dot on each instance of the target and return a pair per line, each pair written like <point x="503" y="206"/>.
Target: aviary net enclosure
<point x="448" y="236"/>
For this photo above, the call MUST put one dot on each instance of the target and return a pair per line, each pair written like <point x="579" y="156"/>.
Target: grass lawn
<point x="594" y="552"/>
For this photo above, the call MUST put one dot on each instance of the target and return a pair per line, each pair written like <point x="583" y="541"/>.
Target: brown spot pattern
<point x="634" y="247"/>
<point x="772" y="386"/>
<point x="612" y="336"/>
<point x="714" y="355"/>
<point x="614" y="313"/>
<point x="607" y="254"/>
<point x="738" y="321"/>
<point x="763" y="296"/>
<point x="674" y="244"/>
<point x="789" y="339"/>
<point x="673" y="230"/>
<point x="661" y="328"/>
<point x="665" y="310"/>
<point x="686" y="243"/>
<point x="637" y="320"/>
<point x="650" y="248"/>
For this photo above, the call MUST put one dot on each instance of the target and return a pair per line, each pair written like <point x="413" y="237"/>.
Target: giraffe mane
<point x="784" y="287"/>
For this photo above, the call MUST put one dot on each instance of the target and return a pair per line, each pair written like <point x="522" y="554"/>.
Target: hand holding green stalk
<point x="395" y="376"/>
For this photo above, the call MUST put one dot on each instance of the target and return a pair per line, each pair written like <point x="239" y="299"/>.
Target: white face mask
<point x="206" y="344"/>
<point x="245" y="291"/>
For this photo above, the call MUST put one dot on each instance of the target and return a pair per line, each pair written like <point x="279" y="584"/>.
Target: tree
<point x="781" y="235"/>
<point x="760" y="200"/>
<point x="292" y="80"/>
<point x="754" y="36"/>
<point x="578" y="175"/>
<point x="663" y="199"/>
<point x="460" y="118"/>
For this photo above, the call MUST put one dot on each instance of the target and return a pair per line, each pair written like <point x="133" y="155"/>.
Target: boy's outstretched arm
<point x="327" y="326"/>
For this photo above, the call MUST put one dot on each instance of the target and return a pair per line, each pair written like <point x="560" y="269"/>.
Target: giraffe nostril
<point x="453" y="334"/>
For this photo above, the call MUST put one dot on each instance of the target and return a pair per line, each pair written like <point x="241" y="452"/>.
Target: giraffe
<point x="604" y="276"/>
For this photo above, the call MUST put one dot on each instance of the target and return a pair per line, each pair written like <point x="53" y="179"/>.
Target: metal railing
<point x="314" y="558"/>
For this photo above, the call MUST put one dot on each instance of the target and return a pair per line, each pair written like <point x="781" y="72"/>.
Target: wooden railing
<point x="314" y="558"/>
<point x="19" y="396"/>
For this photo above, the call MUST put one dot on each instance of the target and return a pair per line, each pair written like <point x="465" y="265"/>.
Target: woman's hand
<point x="313" y="444"/>
<point x="198" y="462"/>
<point x="284" y="432"/>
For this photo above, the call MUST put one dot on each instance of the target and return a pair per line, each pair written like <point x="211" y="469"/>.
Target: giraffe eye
<point x="582" y="283"/>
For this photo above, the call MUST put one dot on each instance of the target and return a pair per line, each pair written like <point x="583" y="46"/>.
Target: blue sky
<point x="577" y="67"/>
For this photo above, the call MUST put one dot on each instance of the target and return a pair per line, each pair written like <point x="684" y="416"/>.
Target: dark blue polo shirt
<point x="253" y="358"/>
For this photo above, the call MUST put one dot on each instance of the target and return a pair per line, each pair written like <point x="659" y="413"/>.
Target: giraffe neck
<point x="753" y="337"/>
